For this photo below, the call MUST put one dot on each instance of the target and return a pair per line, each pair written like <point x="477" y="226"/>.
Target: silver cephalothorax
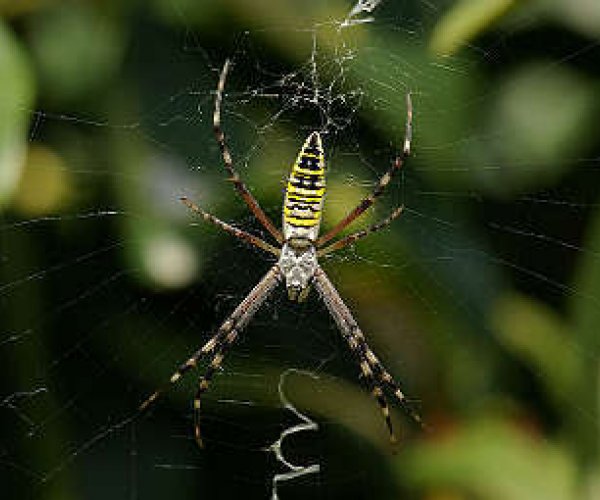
<point x="298" y="263"/>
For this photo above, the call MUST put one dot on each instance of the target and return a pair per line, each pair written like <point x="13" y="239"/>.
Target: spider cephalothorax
<point x="298" y="263"/>
<point x="299" y="246"/>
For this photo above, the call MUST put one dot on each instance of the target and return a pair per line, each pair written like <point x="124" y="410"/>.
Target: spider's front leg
<point x="383" y="375"/>
<point x="220" y="343"/>
<point x="338" y="311"/>
<point x="371" y="367"/>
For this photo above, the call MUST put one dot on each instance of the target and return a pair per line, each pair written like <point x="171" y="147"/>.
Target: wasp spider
<point x="299" y="246"/>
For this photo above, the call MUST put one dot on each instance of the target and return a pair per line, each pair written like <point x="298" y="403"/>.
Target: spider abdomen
<point x="305" y="192"/>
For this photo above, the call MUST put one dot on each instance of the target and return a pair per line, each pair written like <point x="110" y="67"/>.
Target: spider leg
<point x="376" y="391"/>
<point x="366" y="202"/>
<point x="371" y="367"/>
<point x="238" y="233"/>
<point x="204" y="382"/>
<point x="351" y="238"/>
<point x="185" y="367"/>
<point x="332" y="301"/>
<point x="234" y="177"/>
<point x="384" y="376"/>
<point x="225" y="336"/>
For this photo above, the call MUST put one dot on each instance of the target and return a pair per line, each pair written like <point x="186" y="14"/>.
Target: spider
<point x="299" y="248"/>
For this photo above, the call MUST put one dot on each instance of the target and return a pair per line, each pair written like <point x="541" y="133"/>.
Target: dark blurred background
<point x="482" y="298"/>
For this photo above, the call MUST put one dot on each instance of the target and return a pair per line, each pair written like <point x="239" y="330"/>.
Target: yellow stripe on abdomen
<point x="305" y="192"/>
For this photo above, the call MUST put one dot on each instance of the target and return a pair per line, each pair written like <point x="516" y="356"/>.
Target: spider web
<point x="472" y="298"/>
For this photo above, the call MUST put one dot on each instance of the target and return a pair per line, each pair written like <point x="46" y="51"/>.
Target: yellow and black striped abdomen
<point x="305" y="192"/>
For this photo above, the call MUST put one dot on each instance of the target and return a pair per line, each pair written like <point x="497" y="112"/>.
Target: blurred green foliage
<point x="16" y="102"/>
<point x="488" y="301"/>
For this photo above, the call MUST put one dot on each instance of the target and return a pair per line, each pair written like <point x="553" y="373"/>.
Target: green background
<point x="482" y="298"/>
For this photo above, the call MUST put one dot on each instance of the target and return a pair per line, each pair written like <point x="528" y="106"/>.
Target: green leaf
<point x="76" y="51"/>
<point x="585" y="307"/>
<point x="492" y="461"/>
<point x="16" y="101"/>
<point x="538" y="336"/>
<point x="542" y="117"/>
<point x="464" y="21"/>
<point x="582" y="16"/>
<point x="390" y="67"/>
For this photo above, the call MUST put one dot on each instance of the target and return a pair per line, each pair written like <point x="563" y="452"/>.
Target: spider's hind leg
<point x="234" y="177"/>
<point x="385" y="179"/>
<point x="352" y="238"/>
<point x="228" y="228"/>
